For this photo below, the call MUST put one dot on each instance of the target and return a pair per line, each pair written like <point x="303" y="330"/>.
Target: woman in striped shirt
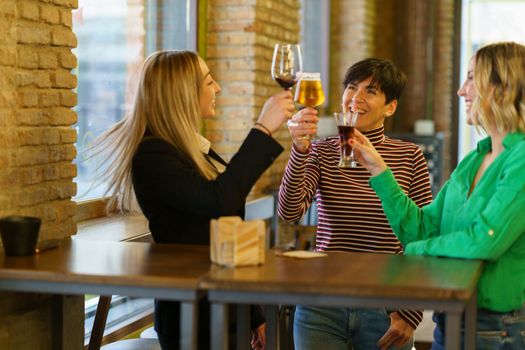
<point x="350" y="216"/>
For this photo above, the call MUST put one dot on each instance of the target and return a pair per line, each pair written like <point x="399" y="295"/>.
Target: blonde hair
<point x="499" y="78"/>
<point x="166" y="106"/>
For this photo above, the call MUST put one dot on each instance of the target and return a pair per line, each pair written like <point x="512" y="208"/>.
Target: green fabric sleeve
<point x="409" y="222"/>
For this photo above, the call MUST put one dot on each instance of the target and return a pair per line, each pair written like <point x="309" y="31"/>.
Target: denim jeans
<point x="334" y="328"/>
<point x="494" y="331"/>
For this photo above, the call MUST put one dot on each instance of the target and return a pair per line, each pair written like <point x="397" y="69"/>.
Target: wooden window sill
<point x="134" y="227"/>
<point x="115" y="228"/>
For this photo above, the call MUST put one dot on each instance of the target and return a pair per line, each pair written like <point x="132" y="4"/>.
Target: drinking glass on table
<point x="309" y="93"/>
<point x="346" y="122"/>
<point x="287" y="64"/>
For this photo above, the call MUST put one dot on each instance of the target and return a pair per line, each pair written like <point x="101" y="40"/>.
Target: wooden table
<point x="164" y="271"/>
<point x="349" y="280"/>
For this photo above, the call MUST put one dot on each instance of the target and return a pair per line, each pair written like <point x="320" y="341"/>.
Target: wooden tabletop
<point x="354" y="274"/>
<point x="112" y="263"/>
<point x="187" y="266"/>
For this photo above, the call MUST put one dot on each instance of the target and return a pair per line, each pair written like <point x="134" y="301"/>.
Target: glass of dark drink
<point x="346" y="122"/>
<point x="287" y="64"/>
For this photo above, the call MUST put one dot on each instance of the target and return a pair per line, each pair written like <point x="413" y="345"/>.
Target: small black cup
<point x="19" y="234"/>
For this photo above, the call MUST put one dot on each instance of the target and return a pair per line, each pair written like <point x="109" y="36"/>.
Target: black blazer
<point x="179" y="203"/>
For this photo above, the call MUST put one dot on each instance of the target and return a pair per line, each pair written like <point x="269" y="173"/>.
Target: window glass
<point x="114" y="37"/>
<point x="171" y="25"/>
<point x="485" y="22"/>
<point x="315" y="39"/>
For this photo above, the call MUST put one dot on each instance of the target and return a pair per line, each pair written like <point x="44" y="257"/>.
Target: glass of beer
<point x="346" y="122"/>
<point x="309" y="92"/>
<point x="287" y="64"/>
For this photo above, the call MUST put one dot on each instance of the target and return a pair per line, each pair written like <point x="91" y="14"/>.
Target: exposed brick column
<point x="443" y="76"/>
<point x="352" y="39"/>
<point x="36" y="151"/>
<point x="8" y="58"/>
<point x="37" y="134"/>
<point x="411" y="27"/>
<point x="241" y="37"/>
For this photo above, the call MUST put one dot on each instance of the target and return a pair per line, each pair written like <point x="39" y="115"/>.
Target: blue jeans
<point x="494" y="331"/>
<point x="334" y="328"/>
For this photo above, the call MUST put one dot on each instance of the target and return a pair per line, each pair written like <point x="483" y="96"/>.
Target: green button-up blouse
<point x="488" y="224"/>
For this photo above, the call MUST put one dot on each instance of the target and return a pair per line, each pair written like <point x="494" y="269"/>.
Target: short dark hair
<point x="385" y="75"/>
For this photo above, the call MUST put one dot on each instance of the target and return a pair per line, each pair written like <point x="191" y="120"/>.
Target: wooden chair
<point x="99" y="325"/>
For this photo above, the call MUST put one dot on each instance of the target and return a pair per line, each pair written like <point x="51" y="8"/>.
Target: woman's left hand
<point x="366" y="154"/>
<point x="398" y="334"/>
<point x="259" y="337"/>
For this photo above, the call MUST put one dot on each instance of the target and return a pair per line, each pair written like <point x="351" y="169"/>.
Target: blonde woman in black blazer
<point x="180" y="183"/>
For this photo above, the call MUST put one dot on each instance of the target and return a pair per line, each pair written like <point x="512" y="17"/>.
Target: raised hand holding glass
<point x="309" y="93"/>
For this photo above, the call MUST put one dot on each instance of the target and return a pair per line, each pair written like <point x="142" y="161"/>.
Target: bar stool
<point x="149" y="333"/>
<point x="133" y="344"/>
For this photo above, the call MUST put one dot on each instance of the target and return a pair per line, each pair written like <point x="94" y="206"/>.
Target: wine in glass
<point x="287" y="64"/>
<point x="309" y="91"/>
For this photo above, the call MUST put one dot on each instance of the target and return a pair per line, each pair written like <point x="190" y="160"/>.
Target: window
<point x="122" y="312"/>
<point x="315" y="39"/>
<point x="484" y="22"/>
<point x="114" y="37"/>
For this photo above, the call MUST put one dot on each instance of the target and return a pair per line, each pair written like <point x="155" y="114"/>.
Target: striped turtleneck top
<point x="350" y="215"/>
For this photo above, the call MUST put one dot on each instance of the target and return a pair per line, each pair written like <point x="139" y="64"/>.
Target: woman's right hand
<point x="277" y="110"/>
<point x="366" y="154"/>
<point x="303" y="125"/>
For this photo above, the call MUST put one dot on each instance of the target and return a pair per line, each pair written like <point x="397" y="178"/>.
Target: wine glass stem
<point x="314" y="136"/>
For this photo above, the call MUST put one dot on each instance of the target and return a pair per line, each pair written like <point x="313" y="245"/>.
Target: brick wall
<point x="36" y="118"/>
<point x="424" y="50"/>
<point x="411" y="25"/>
<point x="36" y="145"/>
<point x="241" y="34"/>
<point x="36" y="97"/>
<point x="241" y="37"/>
<point x="418" y="37"/>
<point x="351" y="39"/>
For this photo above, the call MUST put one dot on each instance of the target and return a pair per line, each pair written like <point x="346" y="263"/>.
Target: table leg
<point x="68" y="313"/>
<point x="188" y="325"/>
<point x="271" y="313"/>
<point x="58" y="321"/>
<point x="471" y="310"/>
<point x="243" y="326"/>
<point x="219" y="326"/>
<point x="453" y="330"/>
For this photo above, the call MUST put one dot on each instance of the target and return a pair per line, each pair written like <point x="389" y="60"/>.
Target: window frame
<point x="96" y="207"/>
<point x="465" y="136"/>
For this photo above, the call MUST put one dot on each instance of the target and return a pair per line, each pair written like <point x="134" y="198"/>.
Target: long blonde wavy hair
<point x="499" y="78"/>
<point x="166" y="106"/>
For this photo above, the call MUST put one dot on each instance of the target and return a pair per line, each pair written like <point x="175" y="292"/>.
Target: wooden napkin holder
<point x="234" y="242"/>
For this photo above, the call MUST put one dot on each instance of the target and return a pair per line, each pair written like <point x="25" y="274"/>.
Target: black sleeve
<point x="257" y="317"/>
<point x="160" y="172"/>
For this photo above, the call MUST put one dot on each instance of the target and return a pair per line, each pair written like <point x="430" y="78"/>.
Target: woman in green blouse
<point x="480" y="212"/>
